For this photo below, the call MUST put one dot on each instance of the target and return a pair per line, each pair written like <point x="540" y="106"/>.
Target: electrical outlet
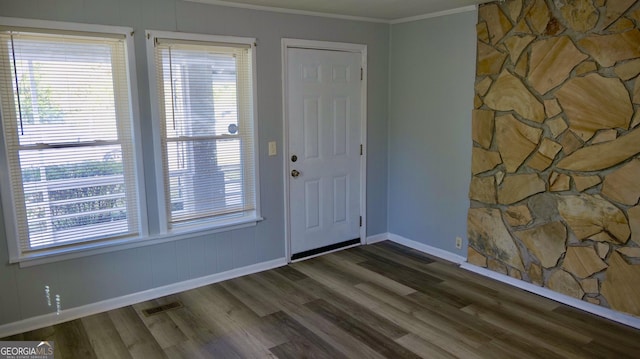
<point x="458" y="242"/>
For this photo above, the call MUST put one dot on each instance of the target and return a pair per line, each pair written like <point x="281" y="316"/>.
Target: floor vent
<point x="162" y="308"/>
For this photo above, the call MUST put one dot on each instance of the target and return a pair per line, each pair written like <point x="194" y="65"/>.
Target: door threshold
<point x="325" y="249"/>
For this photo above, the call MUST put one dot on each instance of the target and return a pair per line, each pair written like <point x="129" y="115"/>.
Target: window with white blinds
<point x="67" y="127"/>
<point x="205" y="97"/>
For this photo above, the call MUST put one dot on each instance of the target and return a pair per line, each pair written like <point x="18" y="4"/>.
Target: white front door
<point x="324" y="164"/>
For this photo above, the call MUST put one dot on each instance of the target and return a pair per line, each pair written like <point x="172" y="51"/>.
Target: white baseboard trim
<point x="377" y="238"/>
<point x="607" y="313"/>
<point x="437" y="252"/>
<point x="130" y="299"/>
<point x="558" y="297"/>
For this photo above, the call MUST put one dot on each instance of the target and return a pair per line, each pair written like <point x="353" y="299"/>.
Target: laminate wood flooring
<point x="377" y="301"/>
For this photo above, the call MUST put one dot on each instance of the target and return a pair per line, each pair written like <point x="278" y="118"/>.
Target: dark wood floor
<point x="379" y="301"/>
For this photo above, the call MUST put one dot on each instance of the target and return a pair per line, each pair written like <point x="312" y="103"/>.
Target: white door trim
<point x="333" y="46"/>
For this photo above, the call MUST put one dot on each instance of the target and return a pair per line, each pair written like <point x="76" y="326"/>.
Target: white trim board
<point x="529" y="287"/>
<point x="337" y="16"/>
<point x="130" y="299"/>
<point x="435" y="14"/>
<point x="289" y="11"/>
<point x="377" y="238"/>
<point x="437" y="252"/>
<point x="558" y="297"/>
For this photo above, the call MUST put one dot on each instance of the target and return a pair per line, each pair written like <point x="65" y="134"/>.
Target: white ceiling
<point x="381" y="10"/>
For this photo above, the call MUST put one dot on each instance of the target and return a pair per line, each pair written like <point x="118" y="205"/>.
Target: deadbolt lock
<point x="294" y="158"/>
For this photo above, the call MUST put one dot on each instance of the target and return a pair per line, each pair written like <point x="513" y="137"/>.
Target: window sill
<point x="89" y="249"/>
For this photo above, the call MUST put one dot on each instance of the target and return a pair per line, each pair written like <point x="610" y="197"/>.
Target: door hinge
<point x="360" y="221"/>
<point x="361" y="150"/>
<point x="361" y="73"/>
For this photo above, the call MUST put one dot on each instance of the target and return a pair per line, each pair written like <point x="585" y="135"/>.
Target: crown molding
<point x="290" y="11"/>
<point x="336" y="16"/>
<point x="435" y="14"/>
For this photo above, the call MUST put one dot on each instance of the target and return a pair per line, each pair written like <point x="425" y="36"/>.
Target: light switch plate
<point x="272" y="148"/>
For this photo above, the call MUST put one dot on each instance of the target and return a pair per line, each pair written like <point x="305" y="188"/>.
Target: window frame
<point x="148" y="234"/>
<point x="9" y="200"/>
<point x="165" y="227"/>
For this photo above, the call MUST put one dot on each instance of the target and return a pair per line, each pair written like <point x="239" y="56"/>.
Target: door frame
<point x="288" y="43"/>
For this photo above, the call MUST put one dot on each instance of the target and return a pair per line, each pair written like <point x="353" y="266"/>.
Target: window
<point x="205" y="109"/>
<point x="67" y="127"/>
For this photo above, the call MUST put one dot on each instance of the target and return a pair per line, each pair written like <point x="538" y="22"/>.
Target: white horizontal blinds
<point x="67" y="124"/>
<point x="207" y="128"/>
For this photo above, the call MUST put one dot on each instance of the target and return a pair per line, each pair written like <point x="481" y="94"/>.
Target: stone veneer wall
<point x="556" y="166"/>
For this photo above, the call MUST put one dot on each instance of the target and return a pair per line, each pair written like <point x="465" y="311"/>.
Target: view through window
<point x="67" y="124"/>
<point x="207" y="126"/>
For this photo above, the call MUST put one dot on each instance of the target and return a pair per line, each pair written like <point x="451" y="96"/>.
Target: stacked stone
<point x="556" y="167"/>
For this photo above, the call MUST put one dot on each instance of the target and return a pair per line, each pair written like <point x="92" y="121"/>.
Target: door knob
<point x="295" y="173"/>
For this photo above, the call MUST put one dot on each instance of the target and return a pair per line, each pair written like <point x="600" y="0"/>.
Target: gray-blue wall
<point x="91" y="279"/>
<point x="431" y="81"/>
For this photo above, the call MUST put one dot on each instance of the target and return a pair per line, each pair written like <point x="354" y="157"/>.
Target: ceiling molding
<point x="290" y="11"/>
<point x="338" y="16"/>
<point x="435" y="14"/>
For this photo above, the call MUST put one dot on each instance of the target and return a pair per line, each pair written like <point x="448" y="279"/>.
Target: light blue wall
<point x="431" y="81"/>
<point x="91" y="279"/>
